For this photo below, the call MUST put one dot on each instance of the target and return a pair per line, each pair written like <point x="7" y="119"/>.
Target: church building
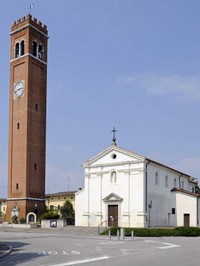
<point x="123" y="188"/>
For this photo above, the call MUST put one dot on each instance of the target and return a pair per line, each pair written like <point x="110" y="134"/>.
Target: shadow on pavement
<point x="17" y="256"/>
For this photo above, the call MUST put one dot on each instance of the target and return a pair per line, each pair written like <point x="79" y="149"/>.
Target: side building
<point x="3" y="206"/>
<point x="55" y="201"/>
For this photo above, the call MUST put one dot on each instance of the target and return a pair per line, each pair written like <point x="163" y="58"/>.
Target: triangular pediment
<point x="112" y="197"/>
<point x="112" y="155"/>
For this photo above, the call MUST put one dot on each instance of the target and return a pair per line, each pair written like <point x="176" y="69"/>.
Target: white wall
<point x="163" y="199"/>
<point x="186" y="204"/>
<point x="91" y="209"/>
<point x="129" y="187"/>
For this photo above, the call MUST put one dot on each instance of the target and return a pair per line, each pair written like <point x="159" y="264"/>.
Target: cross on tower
<point x="114" y="138"/>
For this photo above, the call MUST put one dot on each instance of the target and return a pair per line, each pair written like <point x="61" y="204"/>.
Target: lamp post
<point x="150" y="206"/>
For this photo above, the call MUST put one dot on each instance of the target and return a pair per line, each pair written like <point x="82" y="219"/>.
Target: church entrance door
<point x="112" y="215"/>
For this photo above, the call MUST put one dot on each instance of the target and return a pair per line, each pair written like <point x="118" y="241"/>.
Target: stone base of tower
<point x="19" y="208"/>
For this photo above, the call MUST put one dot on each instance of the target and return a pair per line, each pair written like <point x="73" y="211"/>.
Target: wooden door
<point x="112" y="215"/>
<point x="186" y="219"/>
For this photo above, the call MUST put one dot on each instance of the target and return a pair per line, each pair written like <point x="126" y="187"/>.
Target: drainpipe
<point x="198" y="210"/>
<point x="148" y="162"/>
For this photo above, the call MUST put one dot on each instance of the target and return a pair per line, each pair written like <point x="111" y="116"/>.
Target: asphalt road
<point x="52" y="248"/>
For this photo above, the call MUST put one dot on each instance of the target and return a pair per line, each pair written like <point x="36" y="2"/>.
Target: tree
<point x="197" y="189"/>
<point x="67" y="211"/>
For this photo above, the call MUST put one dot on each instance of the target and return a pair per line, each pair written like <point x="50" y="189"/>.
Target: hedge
<point x="157" y="232"/>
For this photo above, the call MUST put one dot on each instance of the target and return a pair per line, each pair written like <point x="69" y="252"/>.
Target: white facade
<point x="126" y="189"/>
<point x="3" y="206"/>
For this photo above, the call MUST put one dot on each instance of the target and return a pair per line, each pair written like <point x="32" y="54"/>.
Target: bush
<point x="151" y="232"/>
<point x="49" y="215"/>
<point x="22" y="220"/>
<point x="156" y="232"/>
<point x="188" y="231"/>
<point x="112" y="229"/>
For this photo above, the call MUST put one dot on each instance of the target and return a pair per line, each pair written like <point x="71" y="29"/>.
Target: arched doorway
<point x="31" y="218"/>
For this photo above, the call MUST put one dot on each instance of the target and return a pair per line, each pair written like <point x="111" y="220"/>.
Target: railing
<point x="100" y="226"/>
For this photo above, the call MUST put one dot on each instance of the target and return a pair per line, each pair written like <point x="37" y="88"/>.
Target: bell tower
<point x="27" y="118"/>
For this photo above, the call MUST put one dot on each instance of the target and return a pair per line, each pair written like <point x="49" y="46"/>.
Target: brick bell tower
<point x="27" y="119"/>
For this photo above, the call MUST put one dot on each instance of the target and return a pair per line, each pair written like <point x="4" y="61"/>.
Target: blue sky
<point x="132" y="64"/>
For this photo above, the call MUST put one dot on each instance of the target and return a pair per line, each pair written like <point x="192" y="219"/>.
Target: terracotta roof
<point x="64" y="193"/>
<point x="185" y="192"/>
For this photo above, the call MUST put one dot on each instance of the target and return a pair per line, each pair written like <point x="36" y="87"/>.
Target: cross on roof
<point x="114" y="138"/>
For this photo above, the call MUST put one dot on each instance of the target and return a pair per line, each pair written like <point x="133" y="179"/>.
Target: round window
<point x="114" y="156"/>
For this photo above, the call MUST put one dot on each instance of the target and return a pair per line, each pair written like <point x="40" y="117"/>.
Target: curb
<point x="5" y="250"/>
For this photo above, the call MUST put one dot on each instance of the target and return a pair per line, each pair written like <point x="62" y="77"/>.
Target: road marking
<point x="129" y="251"/>
<point x="111" y="243"/>
<point x="53" y="253"/>
<point x="75" y="252"/>
<point x="168" y="245"/>
<point x="149" y="241"/>
<point x="82" y="261"/>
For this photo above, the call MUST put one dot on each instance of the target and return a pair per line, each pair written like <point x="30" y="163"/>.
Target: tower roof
<point x="28" y="21"/>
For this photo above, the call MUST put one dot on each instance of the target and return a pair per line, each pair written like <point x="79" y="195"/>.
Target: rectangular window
<point x="175" y="182"/>
<point x="35" y="166"/>
<point x="18" y="125"/>
<point x="173" y="210"/>
<point x="166" y="181"/>
<point x="156" y="178"/>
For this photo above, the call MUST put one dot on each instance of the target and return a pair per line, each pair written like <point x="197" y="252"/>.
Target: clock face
<point x="19" y="89"/>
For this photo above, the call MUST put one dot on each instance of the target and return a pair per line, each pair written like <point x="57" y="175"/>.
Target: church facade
<point x="123" y="188"/>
